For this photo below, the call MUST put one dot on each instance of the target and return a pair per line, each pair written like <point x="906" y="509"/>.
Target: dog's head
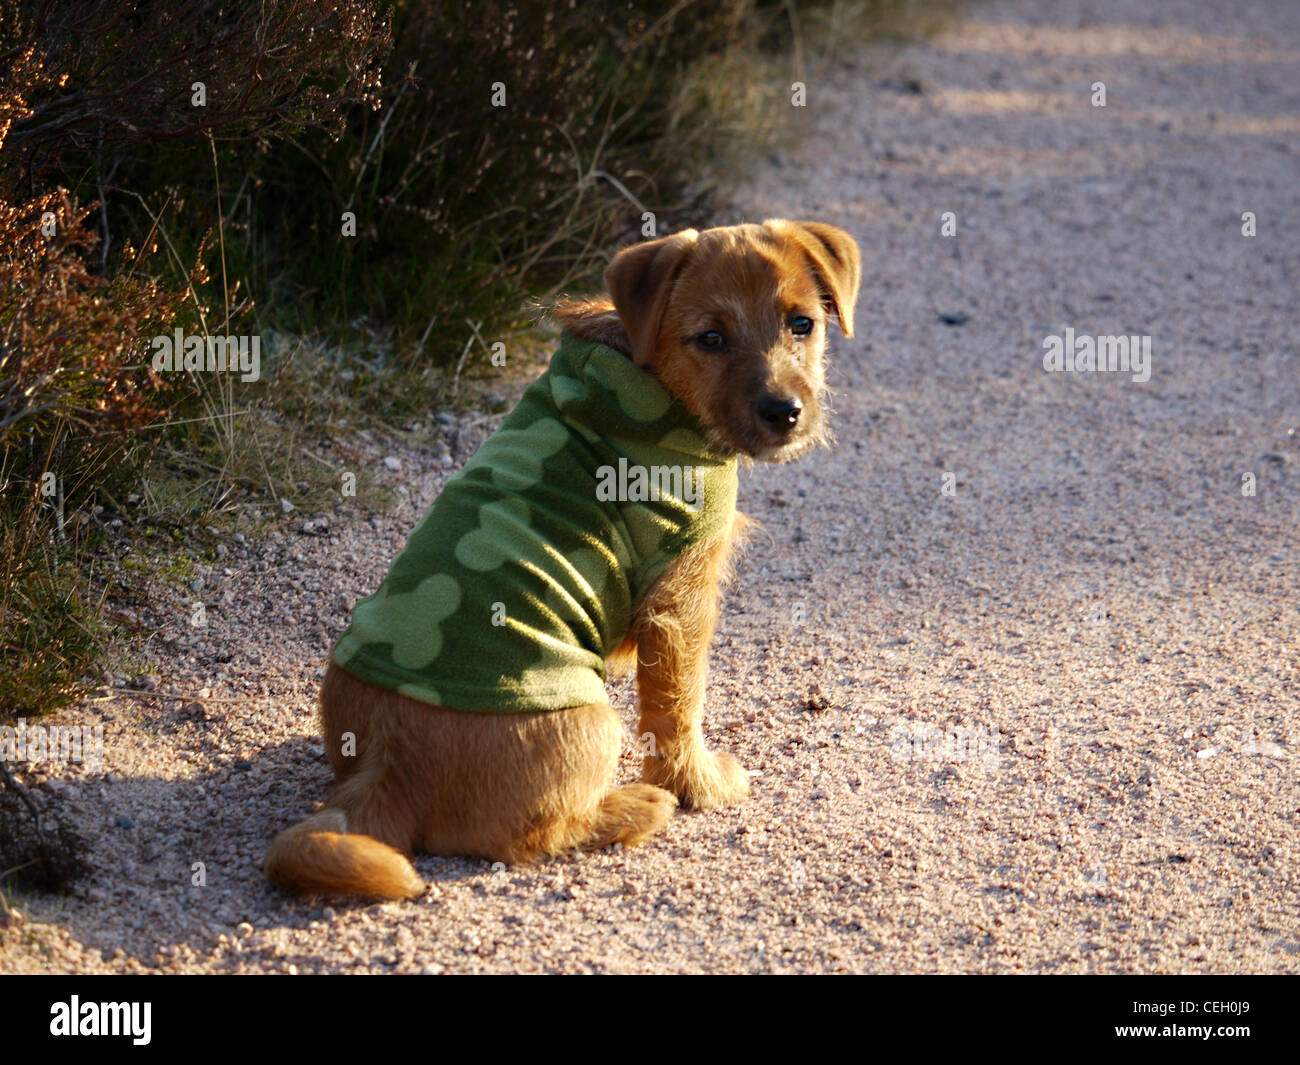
<point x="734" y="322"/>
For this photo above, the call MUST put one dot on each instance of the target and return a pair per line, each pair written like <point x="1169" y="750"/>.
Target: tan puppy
<point x="732" y="322"/>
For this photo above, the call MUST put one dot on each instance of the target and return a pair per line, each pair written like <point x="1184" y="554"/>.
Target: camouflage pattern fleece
<point x="528" y="569"/>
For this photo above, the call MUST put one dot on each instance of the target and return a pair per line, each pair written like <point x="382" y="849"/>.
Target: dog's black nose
<point x="780" y="413"/>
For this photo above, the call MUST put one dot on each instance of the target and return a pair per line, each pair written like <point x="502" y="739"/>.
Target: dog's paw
<point x="632" y="814"/>
<point x="714" y="779"/>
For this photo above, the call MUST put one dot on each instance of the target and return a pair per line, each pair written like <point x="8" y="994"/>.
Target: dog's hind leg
<point x="512" y="787"/>
<point x="631" y="815"/>
<point x="553" y="791"/>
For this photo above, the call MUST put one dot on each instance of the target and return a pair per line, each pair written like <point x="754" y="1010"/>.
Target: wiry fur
<point x="548" y="790"/>
<point x="673" y="632"/>
<point x="521" y="786"/>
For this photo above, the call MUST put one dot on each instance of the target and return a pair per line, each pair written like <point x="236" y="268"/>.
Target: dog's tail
<point x="320" y="857"/>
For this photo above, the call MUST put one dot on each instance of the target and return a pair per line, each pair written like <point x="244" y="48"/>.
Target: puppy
<point x="464" y="710"/>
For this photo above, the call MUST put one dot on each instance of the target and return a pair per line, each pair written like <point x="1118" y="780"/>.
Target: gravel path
<point x="1046" y="720"/>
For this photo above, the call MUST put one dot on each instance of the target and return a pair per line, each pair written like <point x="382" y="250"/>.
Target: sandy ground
<point x="1047" y="721"/>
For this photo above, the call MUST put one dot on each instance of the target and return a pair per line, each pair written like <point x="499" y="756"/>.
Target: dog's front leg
<point x="673" y="632"/>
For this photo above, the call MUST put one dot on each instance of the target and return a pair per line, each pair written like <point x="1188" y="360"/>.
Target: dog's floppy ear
<point x="638" y="281"/>
<point x="835" y="261"/>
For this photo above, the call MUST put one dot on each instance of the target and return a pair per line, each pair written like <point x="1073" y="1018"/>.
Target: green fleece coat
<point x="526" y="572"/>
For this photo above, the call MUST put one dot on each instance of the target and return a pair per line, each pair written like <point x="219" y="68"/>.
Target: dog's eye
<point x="712" y="339"/>
<point x="801" y="325"/>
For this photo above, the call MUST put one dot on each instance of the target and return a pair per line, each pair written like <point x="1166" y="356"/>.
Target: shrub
<point x="116" y="74"/>
<point x="83" y="85"/>
<point x="464" y="209"/>
<point x="71" y="392"/>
